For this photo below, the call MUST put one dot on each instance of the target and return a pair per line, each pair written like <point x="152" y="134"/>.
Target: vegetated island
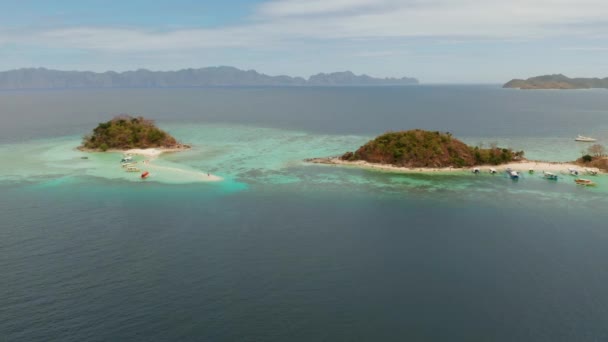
<point x="557" y="81"/>
<point x="430" y="151"/>
<point x="135" y="135"/>
<point x="596" y="157"/>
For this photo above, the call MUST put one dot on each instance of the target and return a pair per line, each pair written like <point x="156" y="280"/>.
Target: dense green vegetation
<point x="124" y="132"/>
<point x="418" y="148"/>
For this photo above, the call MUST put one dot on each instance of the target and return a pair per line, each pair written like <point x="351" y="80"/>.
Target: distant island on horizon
<point x="42" y="78"/>
<point x="557" y="81"/>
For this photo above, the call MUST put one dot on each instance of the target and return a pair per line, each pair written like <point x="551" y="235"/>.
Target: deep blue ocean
<point x="281" y="250"/>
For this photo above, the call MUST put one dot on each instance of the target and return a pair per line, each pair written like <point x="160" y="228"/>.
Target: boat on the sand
<point x="591" y="172"/>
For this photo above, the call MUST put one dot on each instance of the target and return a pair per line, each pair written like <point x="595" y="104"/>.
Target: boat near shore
<point x="585" y="182"/>
<point x="549" y="175"/>
<point x="514" y="175"/>
<point x="582" y="138"/>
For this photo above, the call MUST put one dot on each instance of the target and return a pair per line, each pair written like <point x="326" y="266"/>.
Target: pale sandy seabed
<point x="59" y="158"/>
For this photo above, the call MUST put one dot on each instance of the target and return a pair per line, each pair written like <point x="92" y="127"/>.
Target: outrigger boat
<point x="582" y="138"/>
<point x="513" y="174"/>
<point x="549" y="175"/>
<point x="573" y="172"/>
<point x="128" y="164"/>
<point x="591" y="172"/>
<point x="586" y="182"/>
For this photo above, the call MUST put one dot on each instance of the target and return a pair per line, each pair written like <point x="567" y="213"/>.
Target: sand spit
<point x="148" y="164"/>
<point x="205" y="177"/>
<point x="526" y="165"/>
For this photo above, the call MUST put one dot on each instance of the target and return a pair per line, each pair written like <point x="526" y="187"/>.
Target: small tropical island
<point x="130" y="134"/>
<point x="557" y="81"/>
<point x="431" y="151"/>
<point x="134" y="138"/>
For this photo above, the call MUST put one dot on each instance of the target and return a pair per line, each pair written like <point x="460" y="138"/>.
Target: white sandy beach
<point x="537" y="166"/>
<point x="149" y="152"/>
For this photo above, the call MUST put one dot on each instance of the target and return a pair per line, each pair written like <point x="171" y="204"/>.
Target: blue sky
<point x="438" y="41"/>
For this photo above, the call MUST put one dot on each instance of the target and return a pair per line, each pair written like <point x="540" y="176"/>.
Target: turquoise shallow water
<point x="284" y="250"/>
<point x="246" y="156"/>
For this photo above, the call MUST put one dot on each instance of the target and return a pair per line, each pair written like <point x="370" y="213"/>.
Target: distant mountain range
<point x="41" y="78"/>
<point x="557" y="81"/>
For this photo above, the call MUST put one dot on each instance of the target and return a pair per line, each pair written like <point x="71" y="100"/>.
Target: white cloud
<point x="283" y="22"/>
<point x="281" y="8"/>
<point x="585" y="48"/>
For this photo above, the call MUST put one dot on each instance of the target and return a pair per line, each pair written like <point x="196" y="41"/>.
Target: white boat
<point x="573" y="172"/>
<point x="549" y="175"/>
<point x="513" y="174"/>
<point x="132" y="169"/>
<point x="591" y="172"/>
<point x="582" y="138"/>
<point x="476" y="170"/>
<point x="493" y="171"/>
<point x="126" y="159"/>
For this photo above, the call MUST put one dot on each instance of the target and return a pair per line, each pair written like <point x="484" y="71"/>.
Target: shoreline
<point x="150" y="152"/>
<point x="522" y="166"/>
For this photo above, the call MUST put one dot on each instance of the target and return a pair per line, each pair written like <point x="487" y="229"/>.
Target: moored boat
<point x="582" y="181"/>
<point x="513" y="174"/>
<point x="145" y="175"/>
<point x="549" y="175"/>
<point x="126" y="159"/>
<point x="591" y="172"/>
<point x="132" y="169"/>
<point x="573" y="172"/>
<point x="582" y="138"/>
<point x="493" y="171"/>
<point x="476" y="170"/>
